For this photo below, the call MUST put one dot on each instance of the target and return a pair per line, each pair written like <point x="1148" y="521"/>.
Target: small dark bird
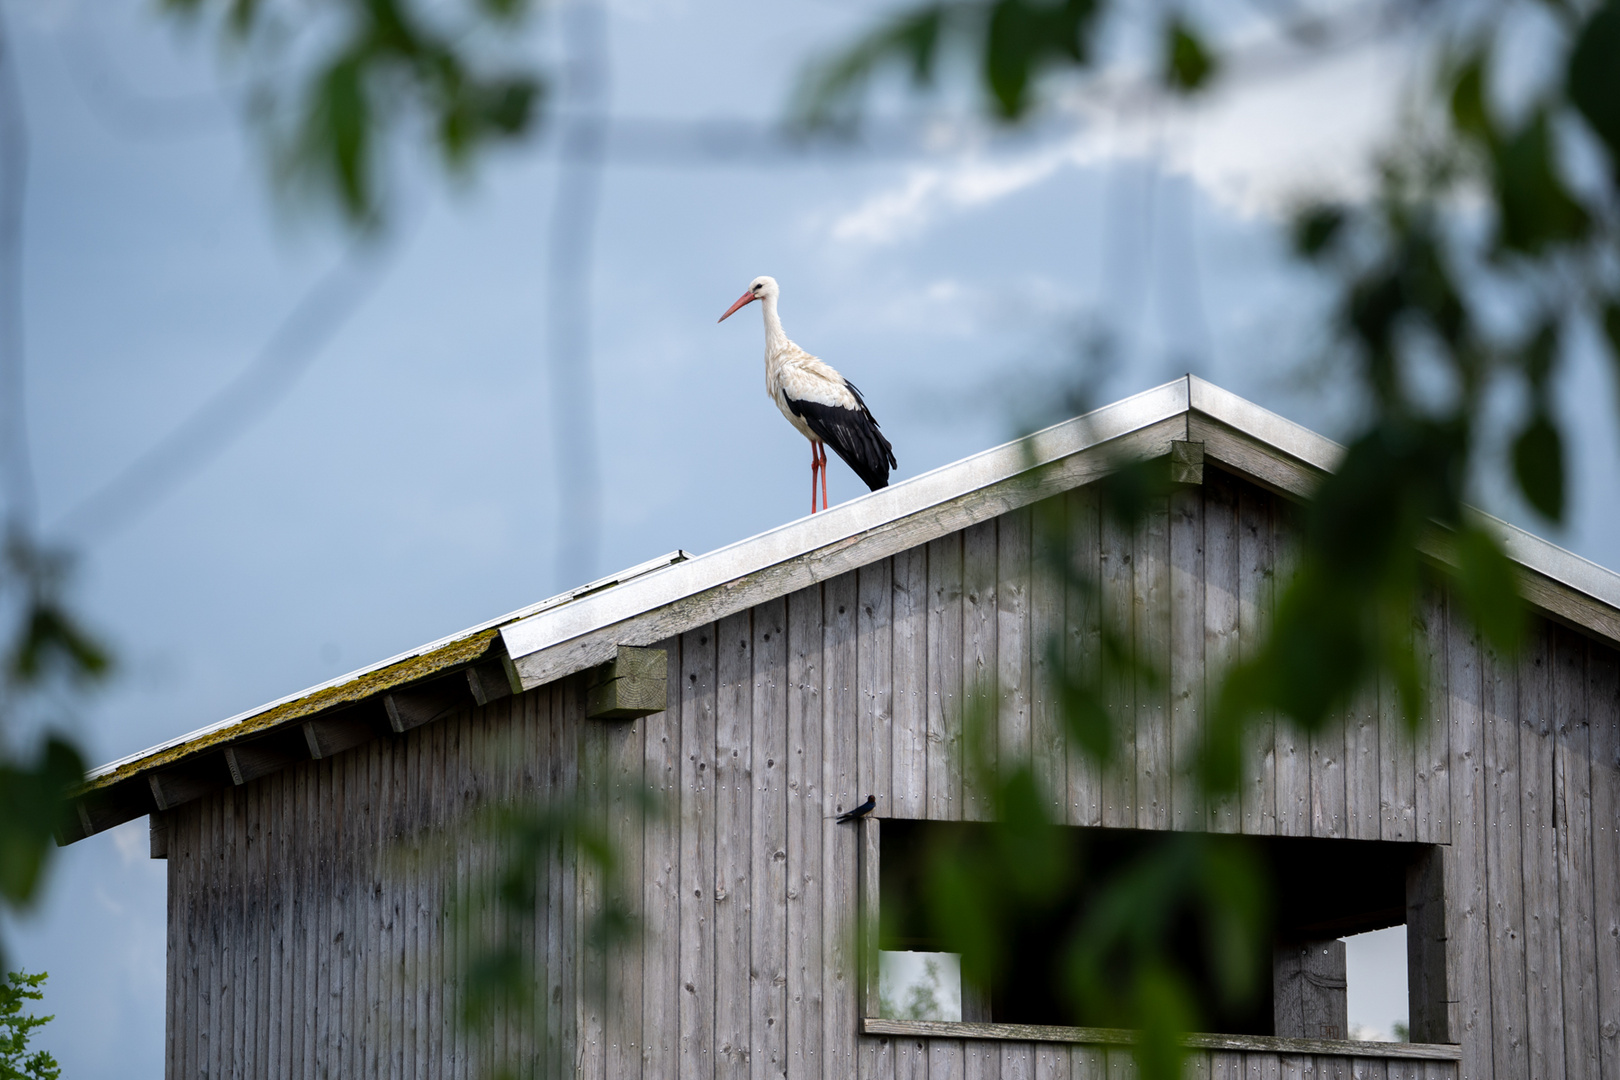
<point x="860" y="811"/>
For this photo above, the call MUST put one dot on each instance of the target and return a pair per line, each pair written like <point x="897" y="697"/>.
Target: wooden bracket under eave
<point x="634" y="683"/>
<point x="1186" y="462"/>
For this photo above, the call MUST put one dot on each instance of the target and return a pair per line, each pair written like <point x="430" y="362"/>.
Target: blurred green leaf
<point x="33" y="805"/>
<point x="1535" y="207"/>
<point x="1026" y="36"/>
<point x="1316" y="228"/>
<point x="1488" y="584"/>
<point x="1188" y="63"/>
<point x="1468" y="109"/>
<point x="52" y="641"/>
<point x="1591" y="76"/>
<point x="1538" y="465"/>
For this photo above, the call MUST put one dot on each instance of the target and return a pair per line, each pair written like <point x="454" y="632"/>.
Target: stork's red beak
<point x="746" y="298"/>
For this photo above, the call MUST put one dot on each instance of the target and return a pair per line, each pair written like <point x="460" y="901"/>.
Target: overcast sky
<point x="404" y="486"/>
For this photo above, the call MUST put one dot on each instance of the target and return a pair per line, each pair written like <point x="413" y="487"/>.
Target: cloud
<point x="1254" y="148"/>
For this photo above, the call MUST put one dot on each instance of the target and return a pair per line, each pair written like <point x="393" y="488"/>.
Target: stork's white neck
<point x="775" y="337"/>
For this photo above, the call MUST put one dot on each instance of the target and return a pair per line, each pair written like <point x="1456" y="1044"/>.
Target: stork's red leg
<point x="824" y="476"/>
<point x="815" y="467"/>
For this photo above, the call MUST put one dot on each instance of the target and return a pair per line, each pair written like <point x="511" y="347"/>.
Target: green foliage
<point x="1390" y="524"/>
<point x="48" y="657"/>
<point x="391" y="65"/>
<point x="1188" y="62"/>
<point x="33" y="798"/>
<point x="17" y="1027"/>
<point x="1011" y="42"/>
<point x="520" y="850"/>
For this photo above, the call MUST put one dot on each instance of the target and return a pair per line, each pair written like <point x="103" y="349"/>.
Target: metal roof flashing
<point x="651" y="601"/>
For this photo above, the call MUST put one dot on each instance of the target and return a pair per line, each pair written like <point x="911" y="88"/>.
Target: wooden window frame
<point x="869" y="890"/>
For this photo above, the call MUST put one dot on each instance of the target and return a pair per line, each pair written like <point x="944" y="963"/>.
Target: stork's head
<point x="761" y="288"/>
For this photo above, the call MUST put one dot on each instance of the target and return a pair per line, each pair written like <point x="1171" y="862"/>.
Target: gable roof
<point x="677" y="592"/>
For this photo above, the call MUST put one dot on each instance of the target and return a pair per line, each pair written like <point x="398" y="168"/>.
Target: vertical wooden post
<point x="870" y="877"/>
<point x="1427" y="999"/>
<point x="1308" y="984"/>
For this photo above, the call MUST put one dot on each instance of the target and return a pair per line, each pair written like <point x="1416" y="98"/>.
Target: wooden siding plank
<point x="1363" y="809"/>
<point x="874" y="682"/>
<point x="1150" y="629"/>
<point x="945" y="1059"/>
<point x="910" y="1058"/>
<point x="1048" y="741"/>
<point x="1327" y="745"/>
<point x="733" y="812"/>
<point x="1117" y="589"/>
<point x="1397" y="769"/>
<point x="981" y="1060"/>
<point x="768" y="1053"/>
<point x="698" y="830"/>
<point x="1087" y="1063"/>
<point x="1256" y="557"/>
<point x="1014" y="722"/>
<point x="1052" y="1062"/>
<point x="980" y="692"/>
<point x="1432" y="777"/>
<point x="1539" y="851"/>
<point x="945" y="678"/>
<point x="593" y="1000"/>
<point x="1573" y="791"/>
<point x="1188" y="578"/>
<point x="626" y="969"/>
<point x="1504" y="865"/>
<point x="660" y="895"/>
<point x="1603" y="697"/>
<point x="839" y="881"/>
<point x="1083" y="645"/>
<point x="908" y="788"/>
<point x="363" y="1038"/>
<point x="1222" y="611"/>
<point x="1017" y="1061"/>
<point x="1467" y="925"/>
<point x="805" y="821"/>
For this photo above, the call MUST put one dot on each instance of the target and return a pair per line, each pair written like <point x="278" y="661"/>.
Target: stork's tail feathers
<point x="853" y="434"/>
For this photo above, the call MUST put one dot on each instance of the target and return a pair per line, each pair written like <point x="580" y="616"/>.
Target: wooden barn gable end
<point x="784" y="713"/>
<point x="835" y="658"/>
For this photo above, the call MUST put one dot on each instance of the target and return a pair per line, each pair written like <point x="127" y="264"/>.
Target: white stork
<point x="824" y="406"/>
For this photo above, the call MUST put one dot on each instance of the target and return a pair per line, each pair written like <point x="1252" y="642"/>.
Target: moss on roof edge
<point x="356" y="690"/>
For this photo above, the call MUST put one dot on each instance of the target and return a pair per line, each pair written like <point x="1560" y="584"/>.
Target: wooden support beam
<point x="191" y="780"/>
<point x="157" y="825"/>
<point x="332" y="735"/>
<point x="634" y="683"/>
<point x="1186" y="462"/>
<point x="488" y="682"/>
<point x="249" y="761"/>
<point x="418" y="705"/>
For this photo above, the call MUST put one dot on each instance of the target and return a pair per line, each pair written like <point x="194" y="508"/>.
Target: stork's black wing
<point x="853" y="433"/>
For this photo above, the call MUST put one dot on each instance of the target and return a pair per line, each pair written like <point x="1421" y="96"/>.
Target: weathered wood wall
<point x="294" y="952"/>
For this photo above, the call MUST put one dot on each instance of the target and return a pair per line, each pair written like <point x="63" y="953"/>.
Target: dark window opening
<point x="1321" y="891"/>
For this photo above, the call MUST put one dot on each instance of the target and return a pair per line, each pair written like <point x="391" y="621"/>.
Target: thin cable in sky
<point x="220" y="420"/>
<point x="17" y="468"/>
<point x="574" y="448"/>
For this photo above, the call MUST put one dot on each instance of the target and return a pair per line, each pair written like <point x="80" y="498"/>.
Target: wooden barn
<point x="794" y="673"/>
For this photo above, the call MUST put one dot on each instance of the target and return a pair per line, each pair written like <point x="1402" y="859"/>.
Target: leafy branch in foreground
<point x="447" y="73"/>
<point x="1487" y="248"/>
<point x="17" y="1028"/>
<point x="510" y="868"/>
<point x="48" y="663"/>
